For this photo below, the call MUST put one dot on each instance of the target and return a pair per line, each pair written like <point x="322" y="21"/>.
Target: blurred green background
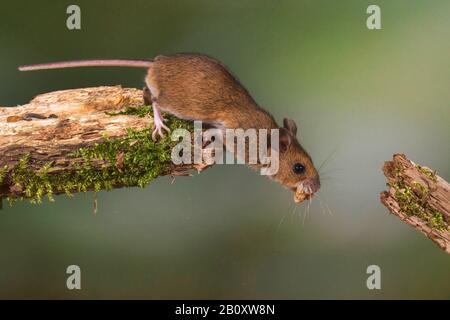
<point x="358" y="95"/>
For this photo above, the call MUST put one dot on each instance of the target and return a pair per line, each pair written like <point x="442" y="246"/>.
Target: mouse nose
<point x="311" y="185"/>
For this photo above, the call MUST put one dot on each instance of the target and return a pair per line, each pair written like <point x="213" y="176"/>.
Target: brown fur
<point x="197" y="87"/>
<point x="295" y="154"/>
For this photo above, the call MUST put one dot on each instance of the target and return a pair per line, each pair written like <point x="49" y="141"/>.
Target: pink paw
<point x="158" y="123"/>
<point x="158" y="128"/>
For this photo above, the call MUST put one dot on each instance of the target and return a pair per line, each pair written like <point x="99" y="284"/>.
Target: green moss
<point x="413" y="203"/>
<point x="3" y="173"/>
<point x="428" y="172"/>
<point x="140" y="111"/>
<point x="133" y="160"/>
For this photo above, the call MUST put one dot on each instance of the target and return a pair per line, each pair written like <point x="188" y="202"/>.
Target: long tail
<point x="88" y="63"/>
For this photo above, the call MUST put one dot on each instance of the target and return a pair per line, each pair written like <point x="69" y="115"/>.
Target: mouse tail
<point x="88" y="63"/>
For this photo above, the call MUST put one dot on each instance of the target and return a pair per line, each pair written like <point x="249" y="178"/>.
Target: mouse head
<point x="296" y="169"/>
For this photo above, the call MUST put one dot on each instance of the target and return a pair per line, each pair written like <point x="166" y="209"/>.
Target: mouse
<point x="199" y="87"/>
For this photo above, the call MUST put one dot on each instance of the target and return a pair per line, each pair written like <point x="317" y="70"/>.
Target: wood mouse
<point x="198" y="87"/>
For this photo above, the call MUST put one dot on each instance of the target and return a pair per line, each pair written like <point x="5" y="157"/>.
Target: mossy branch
<point x="419" y="197"/>
<point x="80" y="140"/>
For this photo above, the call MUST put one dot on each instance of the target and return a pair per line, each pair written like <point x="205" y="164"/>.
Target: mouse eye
<point x="298" y="168"/>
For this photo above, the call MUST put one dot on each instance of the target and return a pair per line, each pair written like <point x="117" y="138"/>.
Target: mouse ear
<point x="290" y="125"/>
<point x="285" y="139"/>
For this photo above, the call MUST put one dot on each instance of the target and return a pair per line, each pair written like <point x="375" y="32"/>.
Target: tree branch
<point x="419" y="198"/>
<point x="79" y="140"/>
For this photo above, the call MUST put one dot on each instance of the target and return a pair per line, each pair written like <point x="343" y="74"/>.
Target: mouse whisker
<point x="332" y="170"/>
<point x="293" y="212"/>
<point x="303" y="215"/>
<point x="281" y="220"/>
<point x="306" y="212"/>
<point x="327" y="159"/>
<point x="326" y="206"/>
<point x="173" y="74"/>
<point x="329" y="210"/>
<point x="331" y="181"/>
<point x="321" y="206"/>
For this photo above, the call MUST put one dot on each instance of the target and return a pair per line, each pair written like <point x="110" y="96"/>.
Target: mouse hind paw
<point x="158" y="124"/>
<point x="158" y="130"/>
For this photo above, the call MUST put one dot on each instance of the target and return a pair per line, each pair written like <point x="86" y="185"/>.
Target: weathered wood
<point x="70" y="119"/>
<point x="419" y="197"/>
<point x="54" y="125"/>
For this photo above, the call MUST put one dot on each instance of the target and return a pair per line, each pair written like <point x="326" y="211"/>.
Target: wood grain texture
<point x="431" y="191"/>
<point x="73" y="119"/>
<point x="54" y="125"/>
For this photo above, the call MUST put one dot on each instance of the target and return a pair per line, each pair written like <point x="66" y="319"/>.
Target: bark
<point x="54" y="125"/>
<point x="419" y="197"/>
